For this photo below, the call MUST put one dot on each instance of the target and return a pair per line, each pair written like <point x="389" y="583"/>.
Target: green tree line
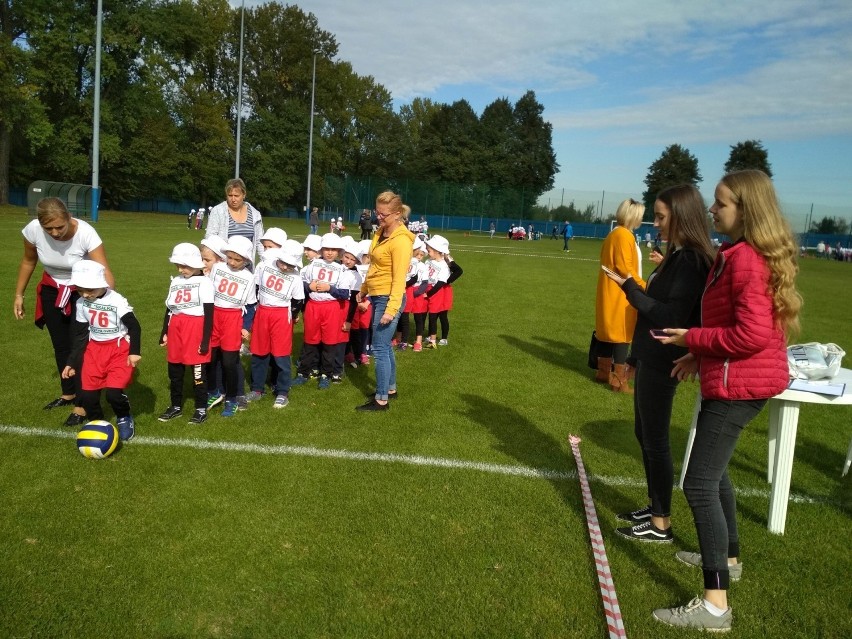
<point x="169" y="88"/>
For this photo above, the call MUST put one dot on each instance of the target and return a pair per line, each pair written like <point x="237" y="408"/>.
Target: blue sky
<point x="622" y="80"/>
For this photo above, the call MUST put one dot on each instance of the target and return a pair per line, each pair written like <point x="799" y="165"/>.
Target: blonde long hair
<point x="766" y="229"/>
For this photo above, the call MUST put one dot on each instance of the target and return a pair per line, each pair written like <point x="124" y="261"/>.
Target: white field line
<point x="392" y="458"/>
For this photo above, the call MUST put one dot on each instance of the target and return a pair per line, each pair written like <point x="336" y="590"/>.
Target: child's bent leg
<point x="338" y="351"/>
<point x="308" y="360"/>
<point x="119" y="401"/>
<point x="419" y="326"/>
<point x="90" y="400"/>
<point x="445" y="324"/>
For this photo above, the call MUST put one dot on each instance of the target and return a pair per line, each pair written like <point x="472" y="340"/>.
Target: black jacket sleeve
<point x="165" y="325"/>
<point x="207" y="331"/>
<point x="134" y="331"/>
<point x="79" y="339"/>
<point x="455" y="272"/>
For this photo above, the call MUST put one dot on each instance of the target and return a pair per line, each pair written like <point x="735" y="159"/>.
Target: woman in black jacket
<point x="672" y="297"/>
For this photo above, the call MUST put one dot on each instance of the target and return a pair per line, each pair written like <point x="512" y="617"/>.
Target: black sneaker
<point x="170" y="413"/>
<point x="75" y="420"/>
<point x="199" y="416"/>
<point x="646" y="531"/>
<point x="636" y="516"/>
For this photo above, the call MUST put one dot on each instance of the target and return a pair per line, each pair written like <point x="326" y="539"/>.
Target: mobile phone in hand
<point x="658" y="333"/>
<point x="609" y="270"/>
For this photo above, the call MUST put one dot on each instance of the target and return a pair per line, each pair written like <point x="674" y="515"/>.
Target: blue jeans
<point x="708" y="488"/>
<point x="383" y="354"/>
<point x="314" y="229"/>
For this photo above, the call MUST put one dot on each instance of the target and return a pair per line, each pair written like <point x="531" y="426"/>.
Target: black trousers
<point x="60" y="328"/>
<point x="199" y="384"/>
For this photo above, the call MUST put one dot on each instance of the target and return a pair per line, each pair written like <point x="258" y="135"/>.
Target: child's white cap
<point x="332" y="241"/>
<point x="312" y="242"/>
<point x="187" y="254"/>
<point x="215" y="244"/>
<point x="88" y="274"/>
<point x="439" y="243"/>
<point x="192" y="211"/>
<point x="350" y="246"/>
<point x="340" y="219"/>
<point x="419" y="245"/>
<point x="240" y="245"/>
<point x="294" y="250"/>
<point x="272" y="255"/>
<point x="364" y="246"/>
<point x="279" y="236"/>
<point x="288" y="258"/>
<point x="202" y="209"/>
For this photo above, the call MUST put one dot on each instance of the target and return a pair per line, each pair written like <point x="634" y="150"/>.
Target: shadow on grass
<point x="520" y="439"/>
<point x="553" y="352"/>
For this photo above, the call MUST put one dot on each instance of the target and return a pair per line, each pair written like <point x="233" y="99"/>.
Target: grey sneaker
<point x="694" y="559"/>
<point x="695" y="615"/>
<point x="281" y="401"/>
<point x="242" y="402"/>
<point x="253" y="396"/>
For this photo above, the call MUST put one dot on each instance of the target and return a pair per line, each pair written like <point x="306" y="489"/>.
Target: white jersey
<point x="438" y="271"/>
<point x="275" y="287"/>
<point x="418" y="269"/>
<point x="58" y="256"/>
<point x="188" y="295"/>
<point x="103" y="316"/>
<point x="362" y="271"/>
<point x="232" y="289"/>
<point x="332" y="273"/>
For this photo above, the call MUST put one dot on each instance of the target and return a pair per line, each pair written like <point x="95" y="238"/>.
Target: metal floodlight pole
<point x="240" y="92"/>
<point x="96" y="118"/>
<point x="311" y="132"/>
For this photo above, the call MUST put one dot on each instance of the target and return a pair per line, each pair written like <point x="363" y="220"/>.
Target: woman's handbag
<point x="814" y="360"/>
<point x="593" y="352"/>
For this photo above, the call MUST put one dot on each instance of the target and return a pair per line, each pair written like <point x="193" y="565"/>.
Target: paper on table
<point x="823" y="387"/>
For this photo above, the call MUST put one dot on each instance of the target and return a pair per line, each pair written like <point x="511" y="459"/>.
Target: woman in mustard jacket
<point x="615" y="318"/>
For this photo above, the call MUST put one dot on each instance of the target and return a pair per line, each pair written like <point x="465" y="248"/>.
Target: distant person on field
<point x="567" y="234"/>
<point x="189" y="218"/>
<point x="365" y="223"/>
<point x="58" y="241"/>
<point x="313" y="220"/>
<point x="821" y="249"/>
<point x="107" y="339"/>
<point x="492" y="228"/>
<point x="199" y="219"/>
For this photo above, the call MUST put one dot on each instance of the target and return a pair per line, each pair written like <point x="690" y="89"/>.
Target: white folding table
<point x="783" y="422"/>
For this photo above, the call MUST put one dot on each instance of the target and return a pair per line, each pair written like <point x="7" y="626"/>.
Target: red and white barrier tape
<point x="614" y="622"/>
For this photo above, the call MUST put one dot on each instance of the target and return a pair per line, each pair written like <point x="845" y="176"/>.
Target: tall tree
<point x="748" y="155"/>
<point x="535" y="159"/>
<point x="675" y="166"/>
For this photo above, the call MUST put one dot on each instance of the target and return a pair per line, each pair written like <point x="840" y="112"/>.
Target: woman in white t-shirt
<point x="58" y="241"/>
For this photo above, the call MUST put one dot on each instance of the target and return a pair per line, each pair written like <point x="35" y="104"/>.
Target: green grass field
<point x="318" y="521"/>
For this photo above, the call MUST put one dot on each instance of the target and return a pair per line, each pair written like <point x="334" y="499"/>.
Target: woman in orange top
<point x="615" y="319"/>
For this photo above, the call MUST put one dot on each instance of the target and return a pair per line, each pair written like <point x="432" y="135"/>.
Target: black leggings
<point x="199" y="384"/>
<point x="91" y="401"/>
<point x="618" y="352"/>
<point x="403" y="327"/>
<point x="230" y="361"/>
<point x="60" y="327"/>
<point x="419" y="324"/>
<point x="443" y="316"/>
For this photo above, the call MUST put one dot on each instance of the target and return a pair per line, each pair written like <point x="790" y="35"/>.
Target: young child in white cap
<point x="280" y="291"/>
<point x="107" y="341"/>
<point x="233" y="285"/>
<point x="211" y="253"/>
<point x="415" y="280"/>
<point x="311" y="246"/>
<point x="273" y="238"/>
<point x="355" y="354"/>
<point x="328" y="283"/>
<point x="438" y="296"/>
<point x="199" y="219"/>
<point x="187" y="327"/>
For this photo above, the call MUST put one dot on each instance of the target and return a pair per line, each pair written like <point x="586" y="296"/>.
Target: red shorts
<point x="185" y="332"/>
<point x="442" y="300"/>
<point x="324" y="322"/>
<point x="272" y="332"/>
<point x="105" y="365"/>
<point x="415" y="304"/>
<point x="363" y="319"/>
<point x="227" y="329"/>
